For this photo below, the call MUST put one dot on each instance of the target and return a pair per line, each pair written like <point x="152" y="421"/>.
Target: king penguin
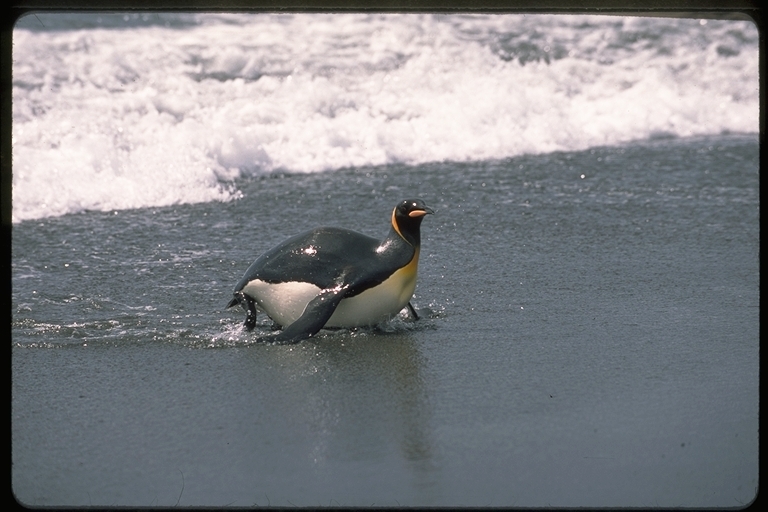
<point x="334" y="277"/>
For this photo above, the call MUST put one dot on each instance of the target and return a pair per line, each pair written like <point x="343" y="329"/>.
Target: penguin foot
<point x="250" y="317"/>
<point x="413" y="311"/>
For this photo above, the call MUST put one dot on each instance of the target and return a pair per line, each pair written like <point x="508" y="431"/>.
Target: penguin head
<point x="407" y="217"/>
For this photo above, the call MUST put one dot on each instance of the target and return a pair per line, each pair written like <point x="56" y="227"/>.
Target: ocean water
<point x="588" y="288"/>
<point x="155" y="115"/>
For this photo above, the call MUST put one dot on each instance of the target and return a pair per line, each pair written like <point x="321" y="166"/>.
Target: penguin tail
<point x="234" y="302"/>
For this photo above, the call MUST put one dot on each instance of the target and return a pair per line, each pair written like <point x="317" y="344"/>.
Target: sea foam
<point x="154" y="115"/>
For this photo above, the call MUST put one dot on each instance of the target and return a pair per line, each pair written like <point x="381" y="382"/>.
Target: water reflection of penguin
<point x="333" y="277"/>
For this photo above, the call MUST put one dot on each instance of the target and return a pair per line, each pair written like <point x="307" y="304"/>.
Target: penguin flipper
<point x="315" y="315"/>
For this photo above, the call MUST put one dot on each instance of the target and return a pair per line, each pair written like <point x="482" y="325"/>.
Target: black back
<point x="328" y="257"/>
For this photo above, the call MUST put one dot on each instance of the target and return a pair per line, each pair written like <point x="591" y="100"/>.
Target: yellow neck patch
<point x="410" y="269"/>
<point x="403" y="281"/>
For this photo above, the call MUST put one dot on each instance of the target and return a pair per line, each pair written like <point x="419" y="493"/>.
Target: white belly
<point x="285" y="302"/>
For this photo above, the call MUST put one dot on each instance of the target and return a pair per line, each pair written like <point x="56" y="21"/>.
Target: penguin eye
<point x="412" y="208"/>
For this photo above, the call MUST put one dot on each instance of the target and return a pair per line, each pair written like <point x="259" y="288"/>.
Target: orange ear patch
<point x="394" y="223"/>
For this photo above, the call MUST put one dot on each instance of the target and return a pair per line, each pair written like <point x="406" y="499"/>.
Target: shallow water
<point x="589" y="337"/>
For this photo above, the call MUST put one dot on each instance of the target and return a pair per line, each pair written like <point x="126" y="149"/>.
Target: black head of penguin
<point x="407" y="217"/>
